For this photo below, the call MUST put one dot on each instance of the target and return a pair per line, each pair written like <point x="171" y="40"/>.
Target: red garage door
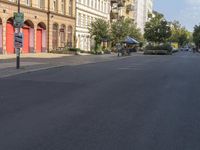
<point x="39" y="41"/>
<point x="26" y="40"/>
<point x="9" y="38"/>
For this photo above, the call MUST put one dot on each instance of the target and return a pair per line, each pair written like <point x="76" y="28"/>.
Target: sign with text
<point x="19" y="40"/>
<point x="18" y="20"/>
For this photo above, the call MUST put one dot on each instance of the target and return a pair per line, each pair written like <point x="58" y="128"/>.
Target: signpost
<point x="18" y="39"/>
<point x="18" y="20"/>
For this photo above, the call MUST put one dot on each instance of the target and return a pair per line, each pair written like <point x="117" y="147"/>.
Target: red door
<point x="39" y="41"/>
<point x="10" y="38"/>
<point x="26" y="40"/>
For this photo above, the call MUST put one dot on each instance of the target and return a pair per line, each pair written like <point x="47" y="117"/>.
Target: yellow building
<point x="49" y="24"/>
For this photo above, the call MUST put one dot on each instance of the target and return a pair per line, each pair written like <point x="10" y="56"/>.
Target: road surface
<point x="136" y="103"/>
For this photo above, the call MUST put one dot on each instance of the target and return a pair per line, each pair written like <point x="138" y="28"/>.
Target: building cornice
<point x="37" y="9"/>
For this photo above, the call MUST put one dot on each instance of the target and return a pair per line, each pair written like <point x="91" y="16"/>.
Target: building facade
<point x="143" y="8"/>
<point x="121" y="9"/>
<point x="88" y="11"/>
<point x="49" y="24"/>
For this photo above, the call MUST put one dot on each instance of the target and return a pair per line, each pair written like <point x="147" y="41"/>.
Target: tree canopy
<point x="179" y="34"/>
<point x="99" y="30"/>
<point x="157" y="30"/>
<point x="196" y="35"/>
<point x="122" y="28"/>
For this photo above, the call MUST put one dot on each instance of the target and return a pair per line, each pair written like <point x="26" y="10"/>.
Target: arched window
<point x="63" y="35"/>
<point x="55" y="36"/>
<point x="69" y="36"/>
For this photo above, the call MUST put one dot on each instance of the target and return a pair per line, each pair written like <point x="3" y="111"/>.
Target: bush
<point x="158" y="49"/>
<point x="66" y="51"/>
<point x="74" y="49"/>
<point x="59" y="51"/>
<point x="106" y="51"/>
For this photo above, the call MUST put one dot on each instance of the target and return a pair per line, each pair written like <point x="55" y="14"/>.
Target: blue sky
<point x="185" y="11"/>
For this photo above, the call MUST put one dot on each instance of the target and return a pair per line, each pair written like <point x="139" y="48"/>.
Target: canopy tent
<point x="130" y="40"/>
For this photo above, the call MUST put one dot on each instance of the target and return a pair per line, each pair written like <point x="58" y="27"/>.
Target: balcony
<point x="119" y="3"/>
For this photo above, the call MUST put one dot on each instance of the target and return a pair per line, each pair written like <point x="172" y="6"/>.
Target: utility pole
<point x="17" y="50"/>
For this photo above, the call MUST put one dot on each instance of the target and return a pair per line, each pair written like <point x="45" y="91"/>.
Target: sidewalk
<point x="36" y="62"/>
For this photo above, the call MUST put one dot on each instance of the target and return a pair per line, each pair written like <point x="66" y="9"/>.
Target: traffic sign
<point x="18" y="20"/>
<point x="19" y="40"/>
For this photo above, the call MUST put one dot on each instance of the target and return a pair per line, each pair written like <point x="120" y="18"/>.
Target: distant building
<point x="49" y="24"/>
<point x="88" y="11"/>
<point x="143" y="11"/>
<point x="121" y="9"/>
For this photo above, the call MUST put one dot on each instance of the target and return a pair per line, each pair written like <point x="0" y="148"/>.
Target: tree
<point x="180" y="34"/>
<point x="157" y="30"/>
<point x="122" y="28"/>
<point x="196" y="35"/>
<point x="99" y="30"/>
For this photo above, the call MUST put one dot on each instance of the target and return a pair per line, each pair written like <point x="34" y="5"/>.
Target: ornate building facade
<point x="49" y="24"/>
<point x="86" y="12"/>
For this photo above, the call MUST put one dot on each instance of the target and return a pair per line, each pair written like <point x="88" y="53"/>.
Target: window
<point x="105" y="10"/>
<point x="98" y="4"/>
<point x="79" y="19"/>
<point x="84" y="20"/>
<point x="63" y="6"/>
<point x="88" y="2"/>
<point x="55" y="5"/>
<point x="62" y="35"/>
<point x="55" y="36"/>
<point x="92" y="4"/>
<point x="70" y="7"/>
<point x="41" y="4"/>
<point x="69" y="36"/>
<point x="95" y="4"/>
<point x="27" y="2"/>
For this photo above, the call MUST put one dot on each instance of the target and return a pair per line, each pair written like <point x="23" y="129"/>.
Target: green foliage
<point x="99" y="30"/>
<point x="164" y="49"/>
<point x="74" y="49"/>
<point x="123" y="28"/>
<point x="196" y="35"/>
<point x="179" y="34"/>
<point x="167" y="47"/>
<point x="157" y="29"/>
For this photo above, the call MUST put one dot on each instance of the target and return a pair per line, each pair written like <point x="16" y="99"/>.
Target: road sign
<point x="19" y="40"/>
<point x="18" y="20"/>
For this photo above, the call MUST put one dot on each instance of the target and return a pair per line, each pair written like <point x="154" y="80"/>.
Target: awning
<point x="130" y="40"/>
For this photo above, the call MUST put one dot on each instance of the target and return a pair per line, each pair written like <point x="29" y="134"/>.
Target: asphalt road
<point x="136" y="103"/>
